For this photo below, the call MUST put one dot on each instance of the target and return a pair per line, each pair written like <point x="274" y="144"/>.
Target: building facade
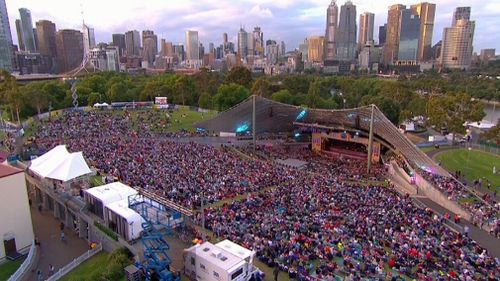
<point x="19" y="35"/>
<point x="460" y="13"/>
<point x="149" y="46"/>
<point x="27" y="34"/>
<point x="366" y="26"/>
<point x="258" y="39"/>
<point x="456" y="51"/>
<point x="46" y="33"/>
<point x="192" y="45"/>
<point x="315" y="50"/>
<point x="409" y="35"/>
<point x="346" y="33"/>
<point x="119" y="41"/>
<point x="88" y="39"/>
<point x="69" y="44"/>
<point x="6" y="58"/>
<point x="426" y="12"/>
<point x="382" y="34"/>
<point x="132" y="43"/>
<point x="242" y="43"/>
<point x="330" y="38"/>
<point x="391" y="45"/>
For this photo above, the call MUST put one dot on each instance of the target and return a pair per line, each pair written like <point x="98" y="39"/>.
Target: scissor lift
<point x="160" y="216"/>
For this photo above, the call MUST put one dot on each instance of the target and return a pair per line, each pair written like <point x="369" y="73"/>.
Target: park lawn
<point x="96" y="263"/>
<point x="8" y="268"/>
<point x="473" y="164"/>
<point x="183" y="119"/>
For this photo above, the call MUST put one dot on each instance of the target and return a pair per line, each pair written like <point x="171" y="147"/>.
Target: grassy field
<point x="473" y="164"/>
<point x="87" y="269"/>
<point x="8" y="268"/>
<point x="183" y="119"/>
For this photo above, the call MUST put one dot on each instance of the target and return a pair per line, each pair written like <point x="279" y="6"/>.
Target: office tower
<point x="6" y="58"/>
<point x="331" y="31"/>
<point x="119" y="41"/>
<point x="391" y="46"/>
<point x="282" y="49"/>
<point x="19" y="35"/>
<point x="366" y="25"/>
<point x="242" y="43"/>
<point x="436" y="50"/>
<point x="250" y="45"/>
<point x="192" y="45"/>
<point x="211" y="48"/>
<point x="486" y="54"/>
<point x="315" y="50"/>
<point x="230" y="47"/>
<point x="88" y="39"/>
<point x="27" y="30"/>
<point x="46" y="33"/>
<point x="382" y="34"/>
<point x="258" y="39"/>
<point x="132" y="43"/>
<point x="346" y="32"/>
<point x="271" y="52"/>
<point x="303" y="49"/>
<point x="169" y="49"/>
<point x="460" y="13"/>
<point x="409" y="34"/>
<point x="224" y="41"/>
<point x="201" y="51"/>
<point x="426" y="12"/>
<point x="179" y="52"/>
<point x="456" y="50"/>
<point x="70" y="52"/>
<point x="149" y="46"/>
<point x="35" y="36"/>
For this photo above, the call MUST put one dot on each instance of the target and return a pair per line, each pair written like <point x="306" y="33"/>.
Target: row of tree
<point x="444" y="99"/>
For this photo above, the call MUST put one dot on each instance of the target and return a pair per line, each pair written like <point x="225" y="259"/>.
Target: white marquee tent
<point x="133" y="227"/>
<point x="61" y="165"/>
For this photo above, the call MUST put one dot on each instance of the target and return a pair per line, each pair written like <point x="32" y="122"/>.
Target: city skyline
<point x="280" y="20"/>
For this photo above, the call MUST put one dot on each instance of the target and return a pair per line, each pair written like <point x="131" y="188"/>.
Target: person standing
<point x="276" y="272"/>
<point x="39" y="275"/>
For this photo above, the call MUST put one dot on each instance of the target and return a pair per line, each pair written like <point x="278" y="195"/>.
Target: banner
<point x="161" y="102"/>
<point x="316" y="142"/>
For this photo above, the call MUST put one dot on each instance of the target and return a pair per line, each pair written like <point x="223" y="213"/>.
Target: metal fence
<point x="25" y="265"/>
<point x="493" y="149"/>
<point x="74" y="263"/>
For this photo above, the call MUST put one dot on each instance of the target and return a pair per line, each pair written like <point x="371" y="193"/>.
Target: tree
<point x="11" y="93"/>
<point x="229" y="95"/>
<point x="239" y="75"/>
<point x="283" y="96"/>
<point x="35" y="96"/>
<point x="388" y="106"/>
<point x="313" y="98"/>
<point x="452" y="111"/>
<point x="94" y="98"/>
<point x="205" y="101"/>
<point x="261" y="87"/>
<point x="185" y="91"/>
<point x="118" y="92"/>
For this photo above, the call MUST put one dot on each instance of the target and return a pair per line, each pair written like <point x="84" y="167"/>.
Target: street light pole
<point x="370" y="142"/>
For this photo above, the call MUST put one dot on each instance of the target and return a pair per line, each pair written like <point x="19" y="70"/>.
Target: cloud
<point x="258" y="11"/>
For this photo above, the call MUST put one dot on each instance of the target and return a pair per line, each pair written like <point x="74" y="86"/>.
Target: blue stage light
<point x="242" y="128"/>
<point x="301" y="115"/>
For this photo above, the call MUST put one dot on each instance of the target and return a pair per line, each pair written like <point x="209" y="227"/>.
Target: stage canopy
<point x="275" y="117"/>
<point x="59" y="164"/>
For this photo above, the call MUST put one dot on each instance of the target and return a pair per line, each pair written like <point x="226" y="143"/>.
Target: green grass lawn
<point x="473" y="164"/>
<point x="87" y="269"/>
<point x="185" y="119"/>
<point x="8" y="268"/>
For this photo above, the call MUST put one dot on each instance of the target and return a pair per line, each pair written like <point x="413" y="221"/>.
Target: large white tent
<point x="61" y="165"/>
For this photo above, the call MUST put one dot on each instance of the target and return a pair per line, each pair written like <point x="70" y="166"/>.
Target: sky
<point x="282" y="20"/>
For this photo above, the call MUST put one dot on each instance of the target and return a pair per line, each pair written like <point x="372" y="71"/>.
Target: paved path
<point x="52" y="250"/>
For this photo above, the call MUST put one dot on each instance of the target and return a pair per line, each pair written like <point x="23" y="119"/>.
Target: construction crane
<point x="160" y="216"/>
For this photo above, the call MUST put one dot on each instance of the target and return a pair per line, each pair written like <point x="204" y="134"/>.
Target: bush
<point x="106" y="230"/>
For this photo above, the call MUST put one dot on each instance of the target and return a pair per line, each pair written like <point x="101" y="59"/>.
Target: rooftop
<point x="6" y="170"/>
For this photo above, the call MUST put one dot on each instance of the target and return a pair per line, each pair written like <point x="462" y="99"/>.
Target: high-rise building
<point x="258" y="39"/>
<point x="391" y="46"/>
<point x="366" y="25"/>
<point x="271" y="52"/>
<point x="303" y="49"/>
<point x="6" y="58"/>
<point x="382" y="34"/>
<point x="119" y="41"/>
<point x="27" y="30"/>
<point x="315" y="50"/>
<point x="132" y="43"/>
<point x="201" y="51"/>
<point x="169" y="49"/>
<point x="242" y="43"/>
<point x="46" y="33"/>
<point x="224" y="40"/>
<point x="436" y="50"/>
<point x="179" y="52"/>
<point x="250" y="48"/>
<point x="460" y="13"/>
<point x="409" y="34"/>
<point x="331" y="31"/>
<point x="486" y="54"/>
<point x="346" y="32"/>
<point x="426" y="12"/>
<point x="192" y="45"/>
<point x="19" y="35"/>
<point x="149" y="46"/>
<point x="282" y="49"/>
<point x="211" y="49"/>
<point x="456" y="50"/>
<point x="69" y="49"/>
<point x="88" y="39"/>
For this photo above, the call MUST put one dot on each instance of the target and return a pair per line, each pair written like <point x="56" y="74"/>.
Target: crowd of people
<point x="314" y="223"/>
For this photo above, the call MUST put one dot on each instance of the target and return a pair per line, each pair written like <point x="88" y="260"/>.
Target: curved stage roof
<point x="274" y="117"/>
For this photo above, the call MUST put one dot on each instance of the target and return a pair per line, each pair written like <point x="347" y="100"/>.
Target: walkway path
<point x="52" y="250"/>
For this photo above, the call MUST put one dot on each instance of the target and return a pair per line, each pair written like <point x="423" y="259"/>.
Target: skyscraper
<point x="456" y="50"/>
<point x="391" y="46"/>
<point x="69" y="49"/>
<point x="192" y="45"/>
<point x="224" y="40"/>
<point x="149" y="46"/>
<point x="88" y="39"/>
<point x="316" y="47"/>
<point x="19" y="35"/>
<point x="409" y="33"/>
<point x="366" y="25"/>
<point x="346" y="32"/>
<point x="331" y="31"/>
<point x="5" y="39"/>
<point x="460" y="13"/>
<point x="46" y="33"/>
<point x="132" y="43"/>
<point x="242" y="43"/>
<point x="258" y="39"/>
<point x="271" y="52"/>
<point x="119" y="41"/>
<point x="426" y="12"/>
<point x="27" y="30"/>
<point x="382" y="34"/>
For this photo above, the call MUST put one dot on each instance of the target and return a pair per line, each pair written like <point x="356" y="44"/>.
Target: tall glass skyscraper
<point x="331" y="31"/>
<point x="426" y="12"/>
<point x="456" y="51"/>
<point x="366" y="25"/>
<point x="408" y="36"/>
<point x="346" y="34"/>
<point x="27" y="30"/>
<point x="5" y="39"/>
<point x="192" y="45"/>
